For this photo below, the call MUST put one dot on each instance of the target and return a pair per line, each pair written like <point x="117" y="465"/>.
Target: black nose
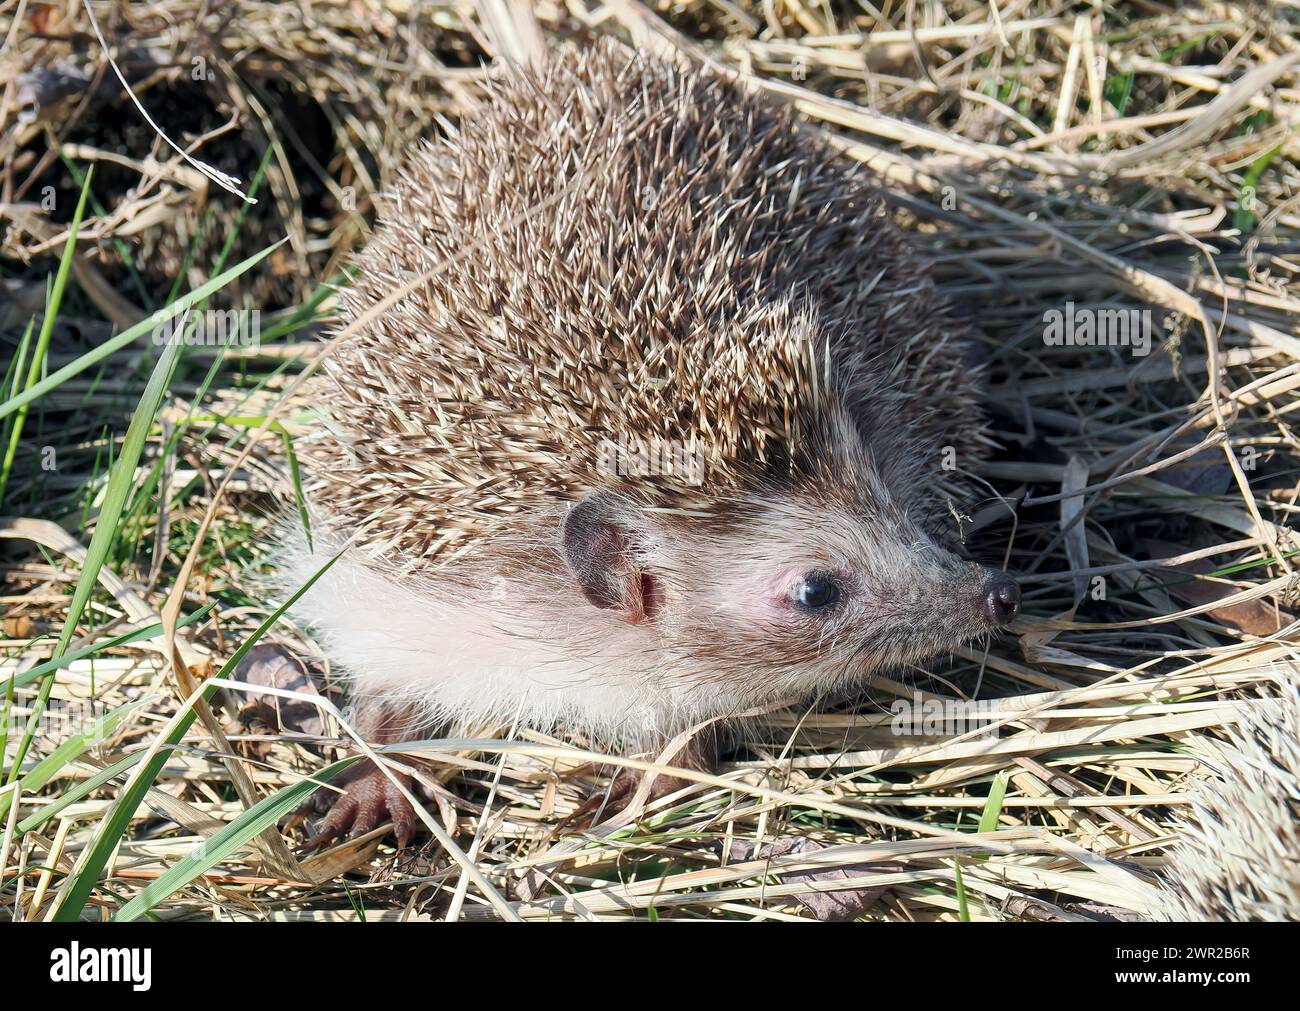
<point x="1001" y="599"/>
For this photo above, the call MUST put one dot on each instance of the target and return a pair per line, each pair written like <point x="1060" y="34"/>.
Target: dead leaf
<point x="18" y="628"/>
<point x="839" y="905"/>
<point x="1254" y="617"/>
<point x="43" y="18"/>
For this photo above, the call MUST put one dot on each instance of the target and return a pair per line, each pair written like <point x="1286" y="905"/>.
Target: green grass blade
<point x="296" y="476"/>
<point x="120" y="482"/>
<point x="76" y="745"/>
<point x="993" y="805"/>
<point x="6" y="715"/>
<point x="12" y="384"/>
<point x="1243" y="218"/>
<point x="124" y="250"/>
<point x="963" y="908"/>
<point x="76" y="793"/>
<point x="134" y="333"/>
<point x="15" y="367"/>
<point x="228" y="840"/>
<point x="126" y="638"/>
<point x="47" y="329"/>
<point x="114" y="826"/>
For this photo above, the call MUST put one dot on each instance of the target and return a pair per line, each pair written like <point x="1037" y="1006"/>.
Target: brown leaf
<point x="1254" y="617"/>
<point x="842" y="904"/>
<point x="18" y="628"/>
<point x="43" y="17"/>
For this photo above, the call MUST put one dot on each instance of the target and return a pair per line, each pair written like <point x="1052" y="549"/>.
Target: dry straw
<point x="1139" y="160"/>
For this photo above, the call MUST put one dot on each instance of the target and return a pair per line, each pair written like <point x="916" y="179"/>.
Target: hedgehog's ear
<point x="599" y="541"/>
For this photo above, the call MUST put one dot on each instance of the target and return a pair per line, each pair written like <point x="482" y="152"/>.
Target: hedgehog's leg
<point x="371" y="796"/>
<point x="700" y="753"/>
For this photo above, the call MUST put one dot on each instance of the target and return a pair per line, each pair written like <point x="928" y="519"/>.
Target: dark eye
<point x="817" y="591"/>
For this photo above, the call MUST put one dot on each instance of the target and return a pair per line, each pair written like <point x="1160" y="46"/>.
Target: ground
<point x="1057" y="164"/>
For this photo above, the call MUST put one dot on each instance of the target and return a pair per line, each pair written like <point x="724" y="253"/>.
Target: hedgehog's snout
<point x="1001" y="599"/>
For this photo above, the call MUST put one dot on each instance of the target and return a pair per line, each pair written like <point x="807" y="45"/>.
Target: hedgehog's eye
<point x="817" y="591"/>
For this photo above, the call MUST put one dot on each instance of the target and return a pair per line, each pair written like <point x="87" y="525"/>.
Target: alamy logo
<point x="59" y="720"/>
<point x="209" y="328"/>
<point x="633" y="457"/>
<point x="1105" y="328"/>
<point x="76" y="964"/>
<point x="921" y="717"/>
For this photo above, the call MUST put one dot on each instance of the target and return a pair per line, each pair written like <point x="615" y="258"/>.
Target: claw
<point x="371" y="799"/>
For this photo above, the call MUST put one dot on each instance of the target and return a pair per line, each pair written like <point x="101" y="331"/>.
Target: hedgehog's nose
<point x="1001" y="599"/>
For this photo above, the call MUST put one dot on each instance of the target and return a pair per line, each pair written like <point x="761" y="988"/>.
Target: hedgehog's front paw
<point x="371" y="798"/>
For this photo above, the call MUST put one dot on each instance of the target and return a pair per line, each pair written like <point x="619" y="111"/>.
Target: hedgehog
<point x="679" y="429"/>
<point x="1237" y="858"/>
